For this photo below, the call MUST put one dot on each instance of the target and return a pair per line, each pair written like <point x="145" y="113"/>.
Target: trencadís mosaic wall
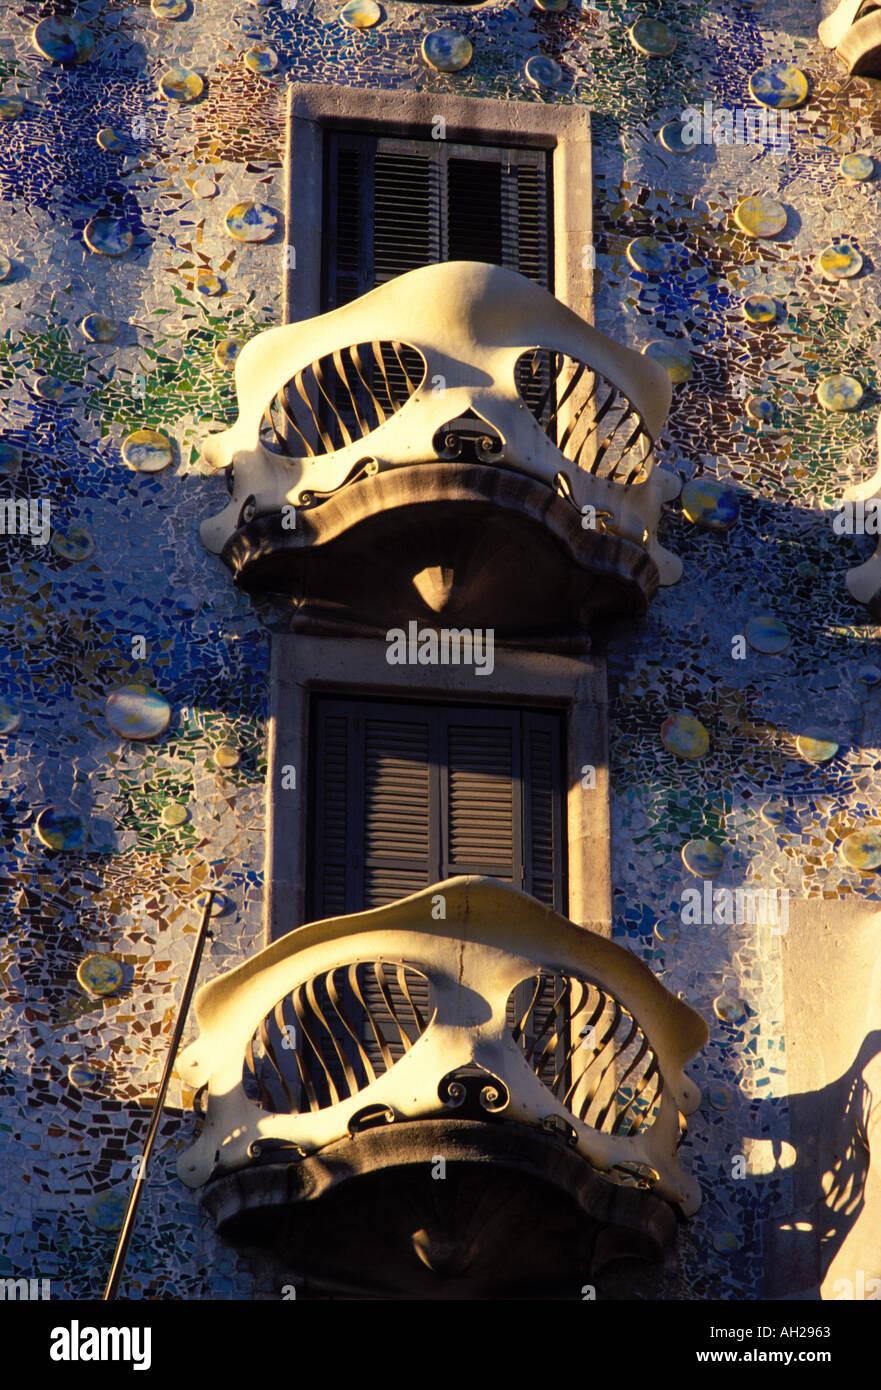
<point x="130" y="270"/>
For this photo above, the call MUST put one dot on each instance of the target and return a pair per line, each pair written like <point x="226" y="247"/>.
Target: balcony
<point x="854" y="31"/>
<point x="460" y="1094"/>
<point x="455" y="442"/>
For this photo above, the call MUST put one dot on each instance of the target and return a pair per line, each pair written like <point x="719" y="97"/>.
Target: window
<point x="409" y="793"/>
<point x="511" y="182"/>
<point x="393" y="205"/>
<point x="568" y="690"/>
<point x="406" y="794"/>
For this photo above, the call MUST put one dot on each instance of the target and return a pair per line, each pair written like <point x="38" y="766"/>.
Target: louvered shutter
<point x="474" y="212"/>
<point x="332" y="888"/>
<point x="544" y="792"/>
<point x="406" y="213"/>
<point x="532" y="223"/>
<point x="480" y="793"/>
<point x="348" y="218"/>
<point x="392" y="205"/>
<point x="374" y="835"/>
<point x="408" y="793"/>
<point x="399" y="772"/>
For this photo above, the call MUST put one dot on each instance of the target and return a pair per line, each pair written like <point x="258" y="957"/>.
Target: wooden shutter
<point x="348" y="218"/>
<point x="530" y="185"/>
<point x="399" y="850"/>
<point x="408" y="793"/>
<point x="474" y="212"/>
<point x="332" y="888"/>
<point x="392" y="205"/>
<point x="481" y="794"/>
<point x="406" y="213"/>
<point x="374" y="777"/>
<point x="543" y="800"/>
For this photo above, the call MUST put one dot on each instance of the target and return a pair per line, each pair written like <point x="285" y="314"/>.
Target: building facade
<point x="439" y="452"/>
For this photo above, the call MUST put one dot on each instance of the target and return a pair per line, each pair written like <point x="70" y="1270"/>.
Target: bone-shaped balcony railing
<point x="390" y="1015"/>
<point x="854" y="31"/>
<point x="382" y="383"/>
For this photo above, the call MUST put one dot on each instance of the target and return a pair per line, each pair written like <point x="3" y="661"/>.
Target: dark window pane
<point x="475" y="211"/>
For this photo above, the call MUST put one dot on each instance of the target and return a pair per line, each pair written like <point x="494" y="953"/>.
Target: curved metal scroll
<point x="589" y="1051"/>
<point x="334" y="1035"/>
<point x="591" y="420"/>
<point x="341" y="398"/>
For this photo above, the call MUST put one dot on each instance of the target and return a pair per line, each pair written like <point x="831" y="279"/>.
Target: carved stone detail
<point x="515" y="554"/>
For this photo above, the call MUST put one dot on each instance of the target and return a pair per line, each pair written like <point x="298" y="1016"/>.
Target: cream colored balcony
<point x="455" y="411"/>
<point x="499" y="1038"/>
<point x="854" y="31"/>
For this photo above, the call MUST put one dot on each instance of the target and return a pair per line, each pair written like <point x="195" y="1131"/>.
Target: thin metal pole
<point x="128" y="1224"/>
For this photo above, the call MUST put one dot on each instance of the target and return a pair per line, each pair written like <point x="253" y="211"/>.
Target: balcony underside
<point x="518" y="1214"/>
<point x="462" y="545"/>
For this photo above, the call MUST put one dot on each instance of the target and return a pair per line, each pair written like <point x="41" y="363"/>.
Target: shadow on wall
<point x="819" y="1250"/>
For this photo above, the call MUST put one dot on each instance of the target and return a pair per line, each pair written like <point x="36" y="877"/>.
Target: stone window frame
<point x="564" y="131"/>
<point x="356" y="667"/>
